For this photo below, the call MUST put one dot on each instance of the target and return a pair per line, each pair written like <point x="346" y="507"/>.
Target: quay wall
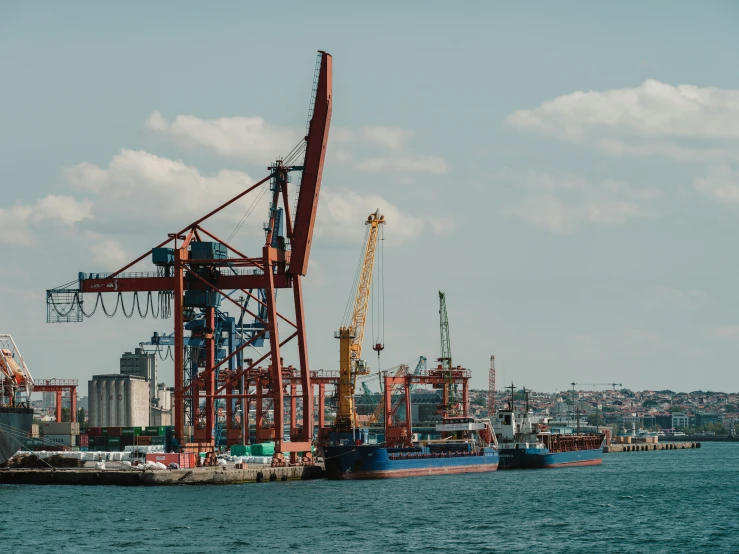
<point x="195" y="476"/>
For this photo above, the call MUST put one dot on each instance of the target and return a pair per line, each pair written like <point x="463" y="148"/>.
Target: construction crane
<point x="491" y="388"/>
<point x="420" y="365"/>
<point x="196" y="271"/>
<point x="400" y="371"/>
<point x="446" y="356"/>
<point x="351" y="335"/>
<point x="575" y="410"/>
<point x="16" y="382"/>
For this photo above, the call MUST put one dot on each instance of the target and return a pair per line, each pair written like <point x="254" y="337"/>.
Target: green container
<point x="104" y="431"/>
<point x="157" y="440"/>
<point x="131" y="431"/>
<point x="263" y="449"/>
<point x="114" y="441"/>
<point x="154" y="431"/>
<point x="240" y="450"/>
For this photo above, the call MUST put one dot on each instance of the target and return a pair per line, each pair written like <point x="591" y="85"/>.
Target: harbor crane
<point x="445" y="361"/>
<point x="195" y="271"/>
<point x="351" y="333"/>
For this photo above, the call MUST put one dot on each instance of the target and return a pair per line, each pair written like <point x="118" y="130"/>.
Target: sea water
<point x="668" y="501"/>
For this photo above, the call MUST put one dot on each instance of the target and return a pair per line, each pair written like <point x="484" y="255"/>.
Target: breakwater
<point x="642" y="447"/>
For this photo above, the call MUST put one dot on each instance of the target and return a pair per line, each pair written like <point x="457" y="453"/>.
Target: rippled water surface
<point x="674" y="501"/>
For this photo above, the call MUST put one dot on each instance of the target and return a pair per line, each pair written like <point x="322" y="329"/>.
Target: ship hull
<point x="15" y="425"/>
<point x="377" y="462"/>
<point x="537" y="458"/>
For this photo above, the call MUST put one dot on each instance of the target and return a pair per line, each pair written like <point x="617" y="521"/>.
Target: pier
<point x="197" y="476"/>
<point x="642" y="447"/>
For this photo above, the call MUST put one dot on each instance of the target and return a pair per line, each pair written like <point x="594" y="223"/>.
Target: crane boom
<point x="351" y="336"/>
<point x="310" y="182"/>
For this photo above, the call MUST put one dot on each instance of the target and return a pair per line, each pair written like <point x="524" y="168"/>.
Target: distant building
<point x="680" y="420"/>
<point x="701" y="420"/>
<point x="118" y="401"/>
<point x="143" y="365"/>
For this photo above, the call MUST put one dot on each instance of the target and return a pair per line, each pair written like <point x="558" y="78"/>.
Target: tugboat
<point x="16" y="386"/>
<point x="525" y="441"/>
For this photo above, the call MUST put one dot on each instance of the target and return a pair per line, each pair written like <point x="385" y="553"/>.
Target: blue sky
<point x="567" y="173"/>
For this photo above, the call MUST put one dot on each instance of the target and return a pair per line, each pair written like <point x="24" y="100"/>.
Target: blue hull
<point x="378" y="462"/>
<point x="535" y="458"/>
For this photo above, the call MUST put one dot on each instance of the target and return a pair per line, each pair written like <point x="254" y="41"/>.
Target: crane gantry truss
<point x="200" y="270"/>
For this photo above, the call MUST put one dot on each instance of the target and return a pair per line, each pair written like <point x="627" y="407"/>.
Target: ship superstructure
<point x="16" y="386"/>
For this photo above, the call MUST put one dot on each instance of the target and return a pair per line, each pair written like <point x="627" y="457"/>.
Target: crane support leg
<point x="274" y="340"/>
<point x="179" y="350"/>
<point x="303" y="358"/>
<point x="210" y="324"/>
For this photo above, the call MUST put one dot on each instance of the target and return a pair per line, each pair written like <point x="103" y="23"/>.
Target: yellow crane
<point x="351" y="335"/>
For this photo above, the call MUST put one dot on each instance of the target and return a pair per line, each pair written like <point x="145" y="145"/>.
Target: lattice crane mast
<point x="196" y="271"/>
<point x="446" y="357"/>
<point x="351" y="335"/>
<point x="491" y="388"/>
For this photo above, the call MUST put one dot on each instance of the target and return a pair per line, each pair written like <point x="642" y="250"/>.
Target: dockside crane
<point x="445" y="360"/>
<point x="351" y="333"/>
<point x="196" y="271"/>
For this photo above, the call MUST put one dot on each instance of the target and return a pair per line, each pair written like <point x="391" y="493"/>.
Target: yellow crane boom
<point x="351" y="336"/>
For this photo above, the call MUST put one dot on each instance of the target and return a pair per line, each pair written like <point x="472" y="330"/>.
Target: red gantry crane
<point x="196" y="270"/>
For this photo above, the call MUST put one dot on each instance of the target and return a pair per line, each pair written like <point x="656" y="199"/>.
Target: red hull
<point x="420" y="472"/>
<point x="595" y="462"/>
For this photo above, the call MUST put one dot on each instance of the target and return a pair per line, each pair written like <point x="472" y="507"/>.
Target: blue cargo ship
<point x="526" y="442"/>
<point x="467" y="448"/>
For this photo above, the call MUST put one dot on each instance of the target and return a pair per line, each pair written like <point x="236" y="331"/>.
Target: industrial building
<point x="118" y="401"/>
<point x="141" y="364"/>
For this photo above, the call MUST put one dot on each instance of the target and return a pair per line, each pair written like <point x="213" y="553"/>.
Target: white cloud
<point x="342" y="211"/>
<point x="645" y="115"/>
<point x="721" y="184"/>
<point x="18" y="222"/>
<point x="410" y="163"/>
<point x="725" y="331"/>
<point x="560" y="204"/>
<point x="109" y="254"/>
<point x="681" y="299"/>
<point x="394" y="138"/>
<point x="138" y="186"/>
<point x="248" y="138"/>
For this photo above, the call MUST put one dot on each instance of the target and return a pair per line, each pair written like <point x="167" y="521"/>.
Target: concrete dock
<point x="612" y="448"/>
<point x="197" y="476"/>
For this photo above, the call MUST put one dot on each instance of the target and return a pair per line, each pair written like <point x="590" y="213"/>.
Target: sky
<point x="567" y="173"/>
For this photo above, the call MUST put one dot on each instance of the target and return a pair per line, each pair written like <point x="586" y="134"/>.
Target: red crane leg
<point x="179" y="350"/>
<point x="274" y="340"/>
<point x="408" y="410"/>
<point x="321" y="406"/>
<point x="73" y="403"/>
<point x="303" y="357"/>
<point x="59" y="405"/>
<point x="293" y="412"/>
<point x="465" y="398"/>
<point x="210" y="354"/>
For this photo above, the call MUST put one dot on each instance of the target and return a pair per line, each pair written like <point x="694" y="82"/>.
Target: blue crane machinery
<point x="196" y="271"/>
<point x="351" y="333"/>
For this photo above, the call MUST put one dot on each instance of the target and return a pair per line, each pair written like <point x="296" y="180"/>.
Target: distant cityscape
<point x="708" y="412"/>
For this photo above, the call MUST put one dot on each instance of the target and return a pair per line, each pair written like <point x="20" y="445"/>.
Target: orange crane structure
<point x="197" y="270"/>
